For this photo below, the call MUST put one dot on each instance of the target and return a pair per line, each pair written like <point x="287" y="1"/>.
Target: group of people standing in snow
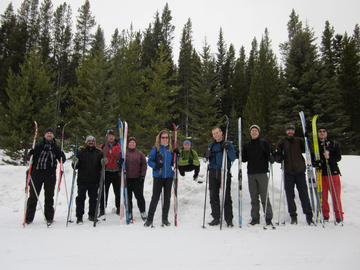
<point x="258" y="153"/>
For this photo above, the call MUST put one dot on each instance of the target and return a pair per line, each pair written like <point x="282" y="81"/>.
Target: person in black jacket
<point x="290" y="151"/>
<point x="330" y="155"/>
<point x="45" y="156"/>
<point x="88" y="163"/>
<point x="257" y="155"/>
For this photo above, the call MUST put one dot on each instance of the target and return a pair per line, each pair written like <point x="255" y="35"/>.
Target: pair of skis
<point x="124" y="203"/>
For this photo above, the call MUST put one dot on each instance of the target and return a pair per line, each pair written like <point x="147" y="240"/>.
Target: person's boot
<point x="79" y="220"/>
<point x="254" y="222"/>
<point x="230" y="223"/>
<point x="165" y="222"/>
<point x="143" y="216"/>
<point x="293" y="220"/>
<point x="309" y="220"/>
<point x="118" y="211"/>
<point x="148" y="223"/>
<point x="214" y="222"/>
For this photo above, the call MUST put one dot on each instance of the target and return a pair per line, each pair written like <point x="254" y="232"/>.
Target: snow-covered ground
<point x="115" y="245"/>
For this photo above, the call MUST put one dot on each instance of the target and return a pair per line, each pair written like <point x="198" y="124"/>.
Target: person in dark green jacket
<point x="189" y="160"/>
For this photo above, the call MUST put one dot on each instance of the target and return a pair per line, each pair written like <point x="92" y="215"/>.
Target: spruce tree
<point x="31" y="99"/>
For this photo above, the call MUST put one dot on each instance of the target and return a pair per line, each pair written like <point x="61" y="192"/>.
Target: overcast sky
<point x="240" y="20"/>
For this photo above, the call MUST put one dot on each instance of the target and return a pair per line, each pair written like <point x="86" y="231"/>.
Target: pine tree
<point x="45" y="29"/>
<point x="184" y="78"/>
<point x="30" y="98"/>
<point x="206" y="113"/>
<point x="158" y="110"/>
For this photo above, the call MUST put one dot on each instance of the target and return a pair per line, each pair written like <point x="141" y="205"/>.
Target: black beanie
<point x="49" y="129"/>
<point x="111" y="132"/>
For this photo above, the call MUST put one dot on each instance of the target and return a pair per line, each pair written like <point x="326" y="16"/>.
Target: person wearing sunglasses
<point x="330" y="155"/>
<point x="161" y="160"/>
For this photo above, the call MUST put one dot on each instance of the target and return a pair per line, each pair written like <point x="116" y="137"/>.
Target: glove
<point x="317" y="164"/>
<point x="190" y="161"/>
<point x="176" y="151"/>
<point x="225" y="145"/>
<point x="207" y="153"/>
<point x="104" y="161"/>
<point x="271" y="159"/>
<point x="159" y="165"/>
<point x="75" y="159"/>
<point x="119" y="162"/>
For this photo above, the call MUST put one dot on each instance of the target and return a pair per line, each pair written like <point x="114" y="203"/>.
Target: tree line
<point x="55" y="74"/>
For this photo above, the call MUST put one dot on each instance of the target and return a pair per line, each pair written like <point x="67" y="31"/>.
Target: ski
<point x="126" y="201"/>
<point x="206" y="185"/>
<point x="310" y="171"/>
<point x="60" y="170"/>
<point x="317" y="159"/>
<point x="102" y="181"/>
<point x="240" y="174"/>
<point x="223" y="174"/>
<point x="72" y="186"/>
<point x="175" y="176"/>
<point x="122" y="127"/>
<point x="29" y="174"/>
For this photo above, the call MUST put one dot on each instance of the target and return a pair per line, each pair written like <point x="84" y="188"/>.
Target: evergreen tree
<point x="158" y="110"/>
<point x="349" y="83"/>
<point x="31" y="98"/>
<point x="185" y="76"/>
<point x="264" y="89"/>
<point x="45" y="29"/>
<point x="206" y="113"/>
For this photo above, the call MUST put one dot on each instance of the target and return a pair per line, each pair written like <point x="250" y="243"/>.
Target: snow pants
<point x="158" y="185"/>
<point x="40" y="178"/>
<point x="136" y="186"/>
<point x="189" y="168"/>
<point x="214" y="188"/>
<point x="298" y="180"/>
<point x="258" y="186"/>
<point x="336" y="196"/>
<point x="114" y="179"/>
<point x="92" y="190"/>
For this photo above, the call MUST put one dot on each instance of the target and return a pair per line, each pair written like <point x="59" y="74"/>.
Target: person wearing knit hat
<point x="136" y="167"/>
<point x="45" y="154"/>
<point x="255" y="126"/>
<point x="330" y="155"/>
<point x="257" y="154"/>
<point x="189" y="161"/>
<point x="113" y="163"/>
<point x="88" y="164"/>
<point x="290" y="151"/>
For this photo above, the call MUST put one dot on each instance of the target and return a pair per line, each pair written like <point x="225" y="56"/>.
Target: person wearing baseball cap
<point x="289" y="150"/>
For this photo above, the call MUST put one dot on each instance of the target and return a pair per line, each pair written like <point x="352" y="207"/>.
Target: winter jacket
<point x="334" y="156"/>
<point x="257" y="154"/>
<point x="113" y="154"/>
<point x="89" y="165"/>
<point x="45" y="154"/>
<point x="216" y="155"/>
<point x="167" y="158"/>
<point x="290" y="150"/>
<point x="135" y="163"/>
<point x="186" y="156"/>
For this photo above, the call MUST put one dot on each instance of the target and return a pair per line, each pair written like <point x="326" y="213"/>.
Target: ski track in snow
<point x="113" y="244"/>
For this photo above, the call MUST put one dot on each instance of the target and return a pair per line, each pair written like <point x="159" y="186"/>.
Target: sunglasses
<point x="164" y="137"/>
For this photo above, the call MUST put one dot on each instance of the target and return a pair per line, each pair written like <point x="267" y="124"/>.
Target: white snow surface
<point x="114" y="245"/>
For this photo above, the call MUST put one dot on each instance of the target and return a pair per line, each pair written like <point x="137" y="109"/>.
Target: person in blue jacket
<point x="161" y="160"/>
<point x="215" y="155"/>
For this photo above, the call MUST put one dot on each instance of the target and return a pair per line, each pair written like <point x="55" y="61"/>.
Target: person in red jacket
<point x="136" y="166"/>
<point x="112" y="171"/>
